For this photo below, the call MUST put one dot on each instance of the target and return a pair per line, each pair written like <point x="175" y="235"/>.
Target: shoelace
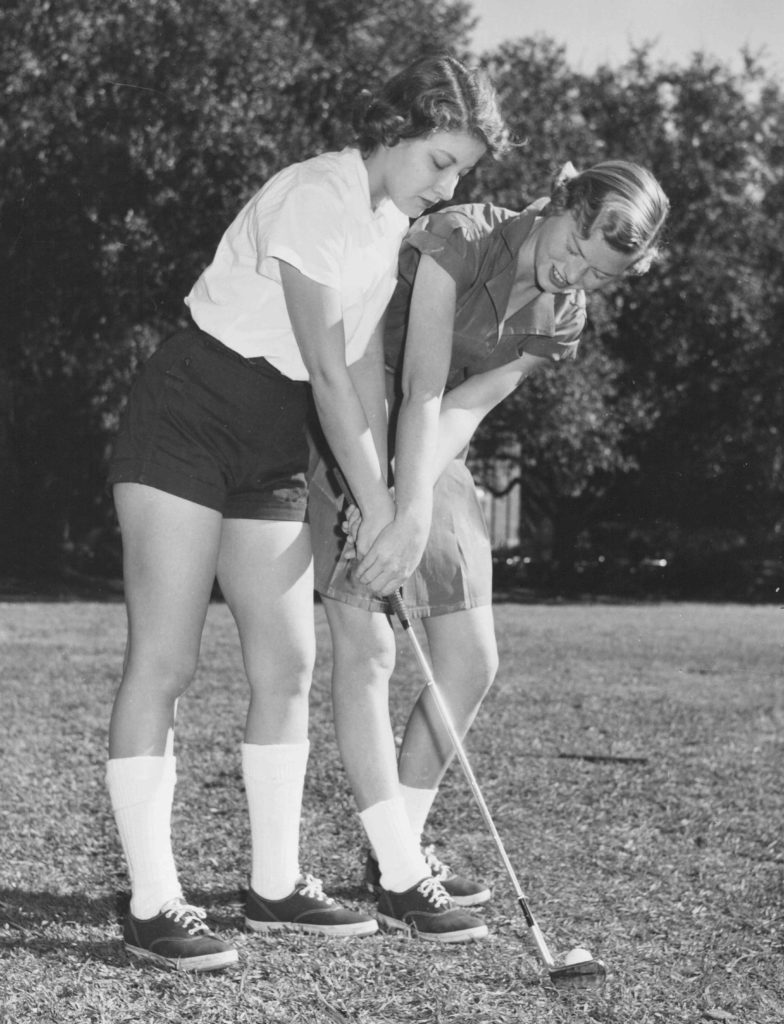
<point x="313" y="888"/>
<point x="433" y="891"/>
<point x="188" y="917"/>
<point x="438" y="869"/>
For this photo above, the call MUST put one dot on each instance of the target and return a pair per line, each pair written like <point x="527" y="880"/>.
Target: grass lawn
<point x="633" y="760"/>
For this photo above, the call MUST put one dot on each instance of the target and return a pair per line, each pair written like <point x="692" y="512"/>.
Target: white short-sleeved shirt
<point x="317" y="216"/>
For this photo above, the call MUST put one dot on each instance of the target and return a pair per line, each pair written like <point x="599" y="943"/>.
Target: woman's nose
<point x="447" y="184"/>
<point x="576" y="269"/>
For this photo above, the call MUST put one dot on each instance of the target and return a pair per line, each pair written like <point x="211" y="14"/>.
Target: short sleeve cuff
<point x="550" y="348"/>
<point x="445" y="241"/>
<point x="307" y="231"/>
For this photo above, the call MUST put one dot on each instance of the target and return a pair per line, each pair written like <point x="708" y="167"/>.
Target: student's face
<point x="417" y="173"/>
<point x="564" y="260"/>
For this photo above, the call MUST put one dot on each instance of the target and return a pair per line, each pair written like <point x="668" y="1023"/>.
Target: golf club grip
<point x="399" y="608"/>
<point x="396" y="599"/>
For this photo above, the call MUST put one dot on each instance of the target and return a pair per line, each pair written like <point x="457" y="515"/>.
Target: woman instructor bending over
<point x="485" y="297"/>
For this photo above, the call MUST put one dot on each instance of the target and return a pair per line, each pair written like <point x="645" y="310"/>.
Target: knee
<point x="299" y="670"/>
<point x="489" y="668"/>
<point x="370" y="658"/>
<point x="485" y="677"/>
<point x="166" y="675"/>
<point x="379" y="657"/>
<point x="477" y="672"/>
<point x="286" y="669"/>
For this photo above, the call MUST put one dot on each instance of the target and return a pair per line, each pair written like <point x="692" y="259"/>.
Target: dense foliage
<point x="130" y="134"/>
<point x="689" y="388"/>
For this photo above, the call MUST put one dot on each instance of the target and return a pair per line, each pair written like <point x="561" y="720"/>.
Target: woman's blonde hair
<point x="622" y="200"/>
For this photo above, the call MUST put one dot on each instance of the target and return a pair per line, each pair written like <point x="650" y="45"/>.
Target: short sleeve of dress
<point x="570" y="317"/>
<point x="305" y="227"/>
<point x="446" y="237"/>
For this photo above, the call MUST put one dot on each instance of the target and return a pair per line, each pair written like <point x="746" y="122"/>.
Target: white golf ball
<point x="577" y="956"/>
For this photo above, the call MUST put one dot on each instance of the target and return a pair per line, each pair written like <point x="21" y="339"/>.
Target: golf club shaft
<point x="400" y="610"/>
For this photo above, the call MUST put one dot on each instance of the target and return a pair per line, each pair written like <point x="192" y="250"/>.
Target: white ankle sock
<point x="418" y="803"/>
<point x="395" y="844"/>
<point x="274" y="777"/>
<point x="141" y="790"/>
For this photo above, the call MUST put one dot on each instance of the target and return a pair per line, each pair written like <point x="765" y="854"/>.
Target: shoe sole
<point x="465" y="935"/>
<point x="337" y="931"/>
<point x="476" y="899"/>
<point x="208" y="962"/>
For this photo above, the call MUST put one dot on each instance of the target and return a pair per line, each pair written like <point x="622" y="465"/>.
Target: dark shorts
<point x="206" y="424"/>
<point x="456" y="571"/>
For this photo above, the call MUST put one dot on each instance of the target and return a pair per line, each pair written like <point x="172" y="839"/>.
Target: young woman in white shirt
<point x="209" y="481"/>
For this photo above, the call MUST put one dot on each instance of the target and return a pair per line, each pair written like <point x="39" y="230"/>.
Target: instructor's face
<point x="565" y="261"/>
<point x="418" y="173"/>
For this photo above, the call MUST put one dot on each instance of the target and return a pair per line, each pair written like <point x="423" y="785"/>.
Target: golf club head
<point x="588" y="974"/>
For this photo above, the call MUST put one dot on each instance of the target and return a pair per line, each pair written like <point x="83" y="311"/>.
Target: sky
<point x="602" y="31"/>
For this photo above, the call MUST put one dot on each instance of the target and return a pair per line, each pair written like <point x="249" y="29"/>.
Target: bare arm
<point x="464" y="408"/>
<point x="398" y="549"/>
<point x="367" y="376"/>
<point x="426" y="367"/>
<point x="316" y="318"/>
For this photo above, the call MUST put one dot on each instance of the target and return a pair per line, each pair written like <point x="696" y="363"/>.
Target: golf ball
<point x="577" y="956"/>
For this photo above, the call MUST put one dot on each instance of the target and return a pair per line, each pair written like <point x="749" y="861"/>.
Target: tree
<point x="130" y="135"/>
<point x="691" y="352"/>
<point x="704" y="331"/>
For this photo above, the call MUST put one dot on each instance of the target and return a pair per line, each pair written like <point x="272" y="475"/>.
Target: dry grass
<point x="633" y="758"/>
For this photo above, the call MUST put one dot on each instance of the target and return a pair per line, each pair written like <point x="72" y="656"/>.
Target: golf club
<point x="575" y="969"/>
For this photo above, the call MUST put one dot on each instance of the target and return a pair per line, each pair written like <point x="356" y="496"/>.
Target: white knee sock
<point x="395" y="844"/>
<point x="418" y="803"/>
<point x="141" y="790"/>
<point x="274" y="777"/>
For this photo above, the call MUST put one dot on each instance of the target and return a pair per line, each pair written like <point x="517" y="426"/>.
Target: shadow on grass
<point x="57" y="928"/>
<point x="24" y="911"/>
<point x="50" y="924"/>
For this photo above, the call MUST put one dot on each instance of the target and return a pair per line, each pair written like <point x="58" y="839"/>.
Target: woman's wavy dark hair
<point x="622" y="200"/>
<point x="434" y="93"/>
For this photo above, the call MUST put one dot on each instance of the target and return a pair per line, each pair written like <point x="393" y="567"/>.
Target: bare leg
<point x="170" y="548"/>
<point x="265" y="573"/>
<point x="363" y="646"/>
<point x="266" y="576"/>
<point x="464" y="658"/>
